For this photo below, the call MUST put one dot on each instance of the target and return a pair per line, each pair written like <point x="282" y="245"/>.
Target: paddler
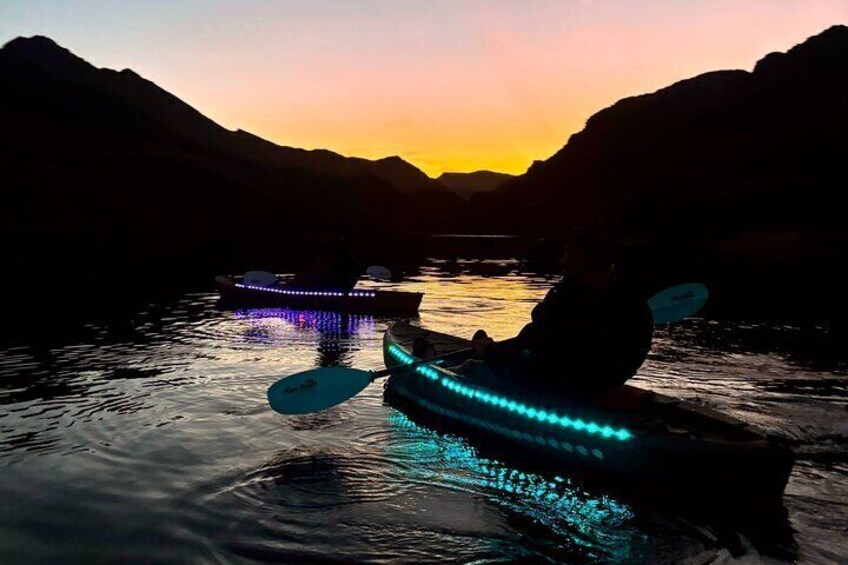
<point x="590" y="334"/>
<point x="332" y="268"/>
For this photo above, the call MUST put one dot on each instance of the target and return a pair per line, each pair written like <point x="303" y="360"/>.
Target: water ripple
<point x="151" y="437"/>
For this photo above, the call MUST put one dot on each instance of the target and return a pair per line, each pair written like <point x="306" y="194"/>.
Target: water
<point x="150" y="440"/>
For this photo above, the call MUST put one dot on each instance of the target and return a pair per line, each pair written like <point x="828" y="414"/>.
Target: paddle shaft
<point x="392" y="370"/>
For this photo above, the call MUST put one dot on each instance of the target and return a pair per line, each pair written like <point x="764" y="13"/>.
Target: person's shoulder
<point x="630" y="298"/>
<point x="626" y="286"/>
<point x="561" y="286"/>
<point x="558" y="292"/>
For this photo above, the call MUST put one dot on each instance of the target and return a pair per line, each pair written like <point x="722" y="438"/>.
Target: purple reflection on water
<point x="318" y="320"/>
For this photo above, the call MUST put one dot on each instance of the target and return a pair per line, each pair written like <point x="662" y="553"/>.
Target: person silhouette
<point x="591" y="333"/>
<point x="332" y="268"/>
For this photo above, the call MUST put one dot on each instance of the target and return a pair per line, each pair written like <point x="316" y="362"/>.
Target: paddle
<point x="319" y="389"/>
<point x="316" y="390"/>
<point x="259" y="278"/>
<point x="678" y="302"/>
<point x="378" y="273"/>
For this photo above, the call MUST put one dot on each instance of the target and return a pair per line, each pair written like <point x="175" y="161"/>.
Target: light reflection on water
<point x="151" y="440"/>
<point x="575" y="519"/>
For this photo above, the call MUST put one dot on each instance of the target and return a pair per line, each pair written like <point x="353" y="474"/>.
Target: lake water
<point x="149" y="440"/>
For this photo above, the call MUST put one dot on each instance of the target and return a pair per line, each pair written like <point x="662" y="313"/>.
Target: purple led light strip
<point x="308" y="292"/>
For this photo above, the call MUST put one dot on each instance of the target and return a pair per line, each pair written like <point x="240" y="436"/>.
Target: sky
<point x="451" y="85"/>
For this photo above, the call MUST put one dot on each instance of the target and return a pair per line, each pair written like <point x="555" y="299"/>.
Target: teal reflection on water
<point x="598" y="524"/>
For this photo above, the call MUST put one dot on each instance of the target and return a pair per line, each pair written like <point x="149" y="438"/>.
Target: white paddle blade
<point x="259" y="278"/>
<point x="379" y="273"/>
<point x="316" y="390"/>
<point x="678" y="302"/>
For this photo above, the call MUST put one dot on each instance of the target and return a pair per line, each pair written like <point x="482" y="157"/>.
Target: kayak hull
<point x="631" y="436"/>
<point x="235" y="294"/>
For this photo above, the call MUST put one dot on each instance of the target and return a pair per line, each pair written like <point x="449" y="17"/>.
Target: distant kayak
<point x="234" y="292"/>
<point x="630" y="434"/>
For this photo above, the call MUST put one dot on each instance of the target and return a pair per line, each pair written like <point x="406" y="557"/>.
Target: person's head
<point x="329" y="237"/>
<point x="587" y="251"/>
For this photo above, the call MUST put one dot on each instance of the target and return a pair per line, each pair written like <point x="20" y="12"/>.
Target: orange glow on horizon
<point x="452" y="86"/>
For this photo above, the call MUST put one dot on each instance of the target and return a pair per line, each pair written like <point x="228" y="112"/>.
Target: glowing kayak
<point x="235" y="293"/>
<point x="630" y="434"/>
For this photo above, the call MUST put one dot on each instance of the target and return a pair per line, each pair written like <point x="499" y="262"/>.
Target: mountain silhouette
<point x="469" y="184"/>
<point x="721" y="152"/>
<point x="733" y="177"/>
<point x="109" y="178"/>
<point x="150" y="102"/>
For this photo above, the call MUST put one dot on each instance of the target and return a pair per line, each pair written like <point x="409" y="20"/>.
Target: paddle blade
<point x="316" y="390"/>
<point x="678" y="302"/>
<point x="378" y="273"/>
<point x="259" y="278"/>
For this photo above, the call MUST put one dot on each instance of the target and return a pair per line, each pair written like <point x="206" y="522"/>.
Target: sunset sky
<point x="447" y="85"/>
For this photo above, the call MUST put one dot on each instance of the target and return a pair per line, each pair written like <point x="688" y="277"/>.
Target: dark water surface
<point x="151" y="441"/>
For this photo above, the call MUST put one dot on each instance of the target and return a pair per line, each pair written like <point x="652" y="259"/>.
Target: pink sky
<point x="449" y="86"/>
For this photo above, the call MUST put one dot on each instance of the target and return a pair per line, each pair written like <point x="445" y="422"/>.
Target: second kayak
<point x="235" y="292"/>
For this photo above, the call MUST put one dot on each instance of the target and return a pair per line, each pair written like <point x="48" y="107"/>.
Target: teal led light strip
<point x="576" y="424"/>
<point x="517" y="434"/>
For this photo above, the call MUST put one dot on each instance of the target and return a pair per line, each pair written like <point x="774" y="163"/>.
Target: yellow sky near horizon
<point x="448" y="86"/>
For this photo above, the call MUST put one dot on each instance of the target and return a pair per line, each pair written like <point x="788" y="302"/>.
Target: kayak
<point x="361" y="301"/>
<point x="631" y="435"/>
